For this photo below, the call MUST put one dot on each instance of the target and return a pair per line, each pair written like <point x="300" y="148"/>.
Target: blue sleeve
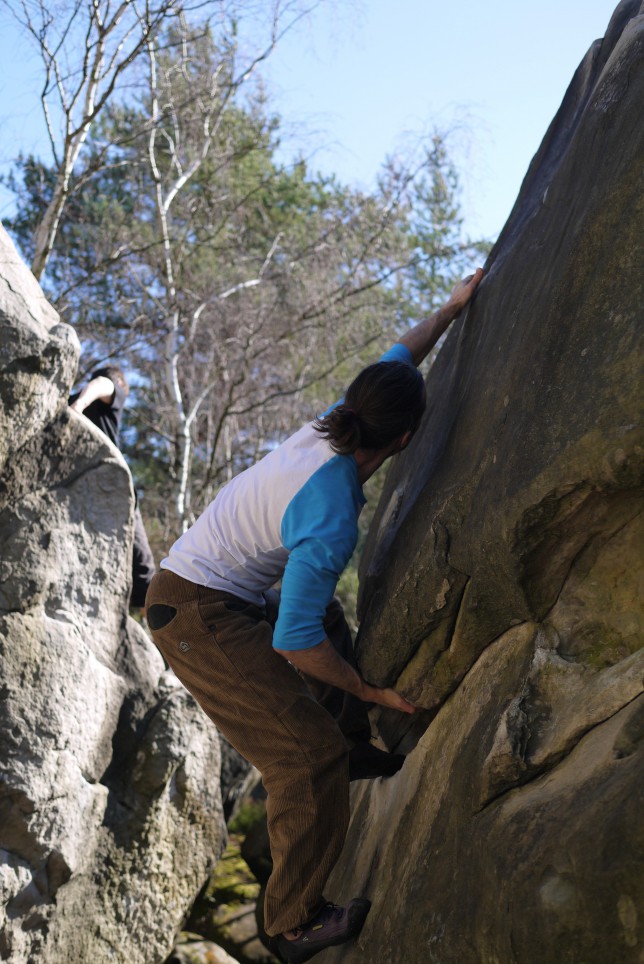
<point x="397" y="352"/>
<point x="320" y="530"/>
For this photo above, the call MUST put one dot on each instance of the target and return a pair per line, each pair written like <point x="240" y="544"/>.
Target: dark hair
<point x="116" y="374"/>
<point x="385" y="401"/>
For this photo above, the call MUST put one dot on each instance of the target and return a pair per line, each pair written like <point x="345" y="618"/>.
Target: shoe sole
<point x="367" y="770"/>
<point x="356" y="916"/>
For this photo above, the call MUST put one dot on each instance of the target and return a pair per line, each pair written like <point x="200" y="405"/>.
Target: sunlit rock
<point x="110" y="809"/>
<point x="502" y="582"/>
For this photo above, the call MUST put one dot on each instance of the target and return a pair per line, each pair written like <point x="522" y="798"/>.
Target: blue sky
<point x="359" y="81"/>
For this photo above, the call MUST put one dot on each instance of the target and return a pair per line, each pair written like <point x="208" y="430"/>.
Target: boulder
<point x="110" y="807"/>
<point x="501" y="582"/>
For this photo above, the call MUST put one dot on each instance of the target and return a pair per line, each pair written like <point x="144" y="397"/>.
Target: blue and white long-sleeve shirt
<point x="293" y="516"/>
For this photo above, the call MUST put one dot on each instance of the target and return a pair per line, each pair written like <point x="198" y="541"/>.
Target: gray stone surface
<point x="200" y="952"/>
<point x="110" y="808"/>
<point x="502" y="582"/>
<point x="37" y="357"/>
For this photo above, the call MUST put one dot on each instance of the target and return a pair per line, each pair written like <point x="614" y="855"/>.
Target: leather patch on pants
<point x="159" y="615"/>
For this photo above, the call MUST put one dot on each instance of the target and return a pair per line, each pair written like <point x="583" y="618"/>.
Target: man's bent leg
<point x="347" y="710"/>
<point x="221" y="650"/>
<point x="365" y="760"/>
<point x="143" y="567"/>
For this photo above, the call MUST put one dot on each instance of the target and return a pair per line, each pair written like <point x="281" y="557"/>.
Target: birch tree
<point x="188" y="97"/>
<point x="241" y="291"/>
<point x="88" y="48"/>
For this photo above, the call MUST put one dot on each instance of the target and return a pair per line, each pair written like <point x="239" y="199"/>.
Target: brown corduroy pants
<point x="221" y="649"/>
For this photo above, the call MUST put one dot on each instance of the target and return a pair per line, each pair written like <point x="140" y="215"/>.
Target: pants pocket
<point x="159" y="616"/>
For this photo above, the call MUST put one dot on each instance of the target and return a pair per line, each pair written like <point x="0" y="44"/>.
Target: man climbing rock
<point x="293" y="516"/>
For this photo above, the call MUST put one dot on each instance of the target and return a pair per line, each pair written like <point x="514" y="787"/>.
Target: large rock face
<point x="502" y="582"/>
<point x="110" y="810"/>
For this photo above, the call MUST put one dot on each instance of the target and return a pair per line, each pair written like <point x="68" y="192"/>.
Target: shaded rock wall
<point x="502" y="581"/>
<point x="110" y="810"/>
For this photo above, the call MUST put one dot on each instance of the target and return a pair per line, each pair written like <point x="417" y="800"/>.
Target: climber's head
<point x="381" y="411"/>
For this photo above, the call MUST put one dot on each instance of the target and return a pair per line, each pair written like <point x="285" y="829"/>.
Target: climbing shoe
<point x="333" y="925"/>
<point x="367" y="762"/>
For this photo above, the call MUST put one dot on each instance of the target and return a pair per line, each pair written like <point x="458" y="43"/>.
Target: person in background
<point x="293" y="516"/>
<point x="102" y="401"/>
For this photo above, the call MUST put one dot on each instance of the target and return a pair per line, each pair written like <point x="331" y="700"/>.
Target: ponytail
<point x="384" y="402"/>
<point x="341" y="426"/>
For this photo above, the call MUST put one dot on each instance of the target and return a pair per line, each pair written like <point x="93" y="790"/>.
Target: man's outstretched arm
<point x="99" y="389"/>
<point x="421" y="339"/>
<point x="325" y="663"/>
